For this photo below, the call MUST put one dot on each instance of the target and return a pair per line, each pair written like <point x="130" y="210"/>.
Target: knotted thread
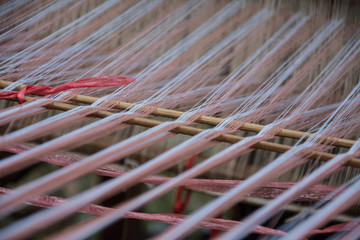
<point x="101" y="81"/>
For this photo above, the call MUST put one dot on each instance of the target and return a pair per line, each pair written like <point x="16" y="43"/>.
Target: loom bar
<point x="252" y="127"/>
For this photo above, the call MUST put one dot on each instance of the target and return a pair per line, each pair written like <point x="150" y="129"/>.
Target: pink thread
<point x="102" y="81"/>
<point x="346" y="226"/>
<point x="211" y="223"/>
<point x="267" y="190"/>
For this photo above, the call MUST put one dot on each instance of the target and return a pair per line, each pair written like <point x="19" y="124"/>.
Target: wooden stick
<point x="339" y="142"/>
<point x="192" y="131"/>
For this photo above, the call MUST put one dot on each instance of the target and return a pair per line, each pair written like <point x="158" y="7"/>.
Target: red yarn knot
<point x="102" y="81"/>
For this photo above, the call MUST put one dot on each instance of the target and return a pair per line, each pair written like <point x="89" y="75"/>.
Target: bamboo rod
<point x="192" y="131"/>
<point x="339" y="142"/>
<point x="252" y="127"/>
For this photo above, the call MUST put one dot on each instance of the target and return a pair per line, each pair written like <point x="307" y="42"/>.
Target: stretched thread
<point x="64" y="76"/>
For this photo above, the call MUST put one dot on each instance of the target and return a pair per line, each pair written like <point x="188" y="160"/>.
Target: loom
<point x="179" y="119"/>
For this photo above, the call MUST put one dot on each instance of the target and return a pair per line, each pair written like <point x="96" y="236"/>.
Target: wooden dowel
<point x="339" y="142"/>
<point x="192" y="131"/>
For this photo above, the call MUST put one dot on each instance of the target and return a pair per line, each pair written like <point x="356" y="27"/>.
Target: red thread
<point x="102" y="81"/>
<point x="179" y="205"/>
<point x="214" y="233"/>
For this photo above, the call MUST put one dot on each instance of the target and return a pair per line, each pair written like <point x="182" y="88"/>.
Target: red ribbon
<point x="102" y="81"/>
<point x="179" y="205"/>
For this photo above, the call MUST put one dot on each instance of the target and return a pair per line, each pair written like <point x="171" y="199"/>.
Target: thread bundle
<point x="293" y="75"/>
